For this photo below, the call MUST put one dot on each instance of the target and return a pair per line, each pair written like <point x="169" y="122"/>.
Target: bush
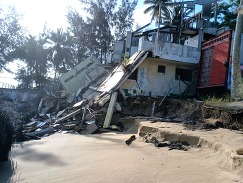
<point x="6" y="136"/>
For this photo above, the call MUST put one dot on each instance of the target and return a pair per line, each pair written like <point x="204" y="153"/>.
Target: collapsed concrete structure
<point x="151" y="64"/>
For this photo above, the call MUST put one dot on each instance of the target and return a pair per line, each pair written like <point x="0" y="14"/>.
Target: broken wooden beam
<point x="74" y="113"/>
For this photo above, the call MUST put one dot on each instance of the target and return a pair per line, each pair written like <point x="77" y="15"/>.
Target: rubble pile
<point x="65" y="115"/>
<point x="78" y="118"/>
<point x="68" y="113"/>
<point x="172" y="145"/>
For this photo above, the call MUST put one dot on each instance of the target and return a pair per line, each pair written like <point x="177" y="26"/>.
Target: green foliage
<point x="79" y="32"/>
<point x="123" y="20"/>
<point x="178" y="12"/>
<point x="99" y="20"/>
<point x="11" y="36"/>
<point x="170" y="14"/>
<point x="59" y="51"/>
<point x="217" y="99"/>
<point x="227" y="13"/>
<point x="125" y="59"/>
<point x="24" y="78"/>
<point x="154" y="8"/>
<point x="92" y="34"/>
<point x="35" y="56"/>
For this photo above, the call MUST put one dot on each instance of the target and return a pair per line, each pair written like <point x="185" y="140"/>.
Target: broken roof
<point x="101" y="93"/>
<point x="82" y="75"/>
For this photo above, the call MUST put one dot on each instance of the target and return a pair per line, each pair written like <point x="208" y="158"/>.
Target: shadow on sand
<point x="8" y="172"/>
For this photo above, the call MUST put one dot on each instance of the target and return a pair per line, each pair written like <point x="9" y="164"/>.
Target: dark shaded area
<point x="6" y="136"/>
<point x="29" y="153"/>
<point x="8" y="171"/>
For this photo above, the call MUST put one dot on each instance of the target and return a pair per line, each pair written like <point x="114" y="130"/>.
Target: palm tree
<point x="59" y="51"/>
<point x="179" y="13"/>
<point x="154" y="8"/>
<point x="35" y="56"/>
<point x="236" y="80"/>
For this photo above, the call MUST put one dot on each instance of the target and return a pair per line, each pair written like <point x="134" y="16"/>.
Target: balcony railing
<point x="176" y="52"/>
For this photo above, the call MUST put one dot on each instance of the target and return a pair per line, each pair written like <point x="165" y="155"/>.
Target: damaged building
<point x="169" y="61"/>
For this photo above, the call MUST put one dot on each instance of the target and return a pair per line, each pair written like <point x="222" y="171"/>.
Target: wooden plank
<point x="110" y="110"/>
<point x="61" y="120"/>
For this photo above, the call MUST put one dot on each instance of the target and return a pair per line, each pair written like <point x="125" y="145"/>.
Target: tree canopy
<point x="11" y="36"/>
<point x="227" y="13"/>
<point x="89" y="33"/>
<point x="93" y="33"/>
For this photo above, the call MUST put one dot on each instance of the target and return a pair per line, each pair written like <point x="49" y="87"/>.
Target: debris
<point x="68" y="126"/>
<point x="89" y="122"/>
<point x="41" y="132"/>
<point x="110" y="110"/>
<point x="68" y="116"/>
<point x="60" y="113"/>
<point x="164" y="97"/>
<point x="173" y="145"/>
<point x="118" y="107"/>
<point x="178" y="145"/>
<point x="153" y="108"/>
<point x="239" y="151"/>
<point x="84" y="114"/>
<point x="41" y="124"/>
<point x="71" y="98"/>
<point x="79" y="104"/>
<point x="214" y="123"/>
<point x="92" y="128"/>
<point x="130" y="140"/>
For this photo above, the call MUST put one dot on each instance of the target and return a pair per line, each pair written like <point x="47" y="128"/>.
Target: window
<point x="133" y="76"/>
<point x="185" y="74"/>
<point x="161" y="69"/>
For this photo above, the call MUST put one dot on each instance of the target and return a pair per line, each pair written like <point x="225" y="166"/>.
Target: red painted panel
<point x="220" y="57"/>
<point x="214" y="56"/>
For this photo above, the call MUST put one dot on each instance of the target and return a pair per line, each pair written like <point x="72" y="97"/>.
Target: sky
<point x="38" y="13"/>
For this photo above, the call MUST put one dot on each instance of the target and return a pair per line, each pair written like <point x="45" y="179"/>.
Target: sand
<point x="105" y="158"/>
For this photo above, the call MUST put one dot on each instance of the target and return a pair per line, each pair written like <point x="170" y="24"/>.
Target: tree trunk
<point x="236" y="80"/>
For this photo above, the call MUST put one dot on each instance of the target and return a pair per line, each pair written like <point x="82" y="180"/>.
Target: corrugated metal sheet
<point x="215" y="55"/>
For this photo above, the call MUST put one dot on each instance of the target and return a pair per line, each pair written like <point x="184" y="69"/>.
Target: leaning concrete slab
<point x="110" y="110"/>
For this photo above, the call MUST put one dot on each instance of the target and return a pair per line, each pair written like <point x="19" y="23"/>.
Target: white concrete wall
<point x="152" y="83"/>
<point x="128" y="43"/>
<point x="177" y="52"/>
<point x="145" y="44"/>
<point x="134" y="49"/>
<point x="20" y="95"/>
<point x="118" y="52"/>
<point x="81" y="75"/>
<point x="193" y="42"/>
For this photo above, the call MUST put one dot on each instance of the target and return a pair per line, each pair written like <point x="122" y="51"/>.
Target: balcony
<point x="176" y="52"/>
